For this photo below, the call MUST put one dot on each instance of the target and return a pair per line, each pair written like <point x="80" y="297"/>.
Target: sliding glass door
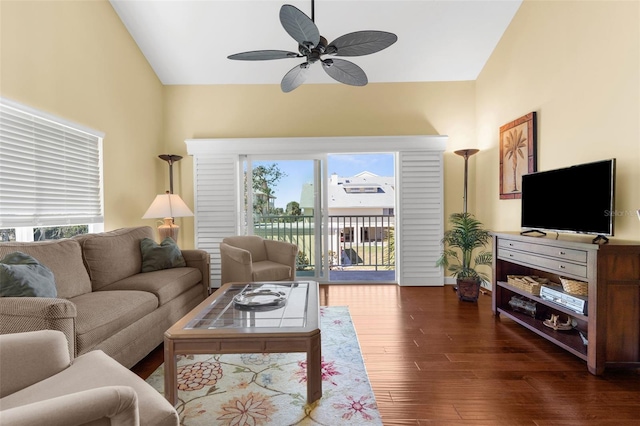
<point x="361" y="216"/>
<point x="283" y="201"/>
<point x="352" y="239"/>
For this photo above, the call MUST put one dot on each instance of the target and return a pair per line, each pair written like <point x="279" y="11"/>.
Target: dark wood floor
<point x="433" y="360"/>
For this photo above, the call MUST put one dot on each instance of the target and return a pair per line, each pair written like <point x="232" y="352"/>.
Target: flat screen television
<point x="576" y="199"/>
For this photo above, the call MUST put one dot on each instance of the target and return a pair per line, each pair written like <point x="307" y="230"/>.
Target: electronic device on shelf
<point x="556" y="295"/>
<point x="576" y="199"/>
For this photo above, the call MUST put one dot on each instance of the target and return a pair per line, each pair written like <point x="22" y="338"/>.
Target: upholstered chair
<point x="252" y="258"/>
<point x="41" y="386"/>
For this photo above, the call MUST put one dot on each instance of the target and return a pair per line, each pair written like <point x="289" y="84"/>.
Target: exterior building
<point x="361" y="211"/>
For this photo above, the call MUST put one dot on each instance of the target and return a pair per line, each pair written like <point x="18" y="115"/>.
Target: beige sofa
<point x="41" y="386"/>
<point x="247" y="258"/>
<point x="103" y="300"/>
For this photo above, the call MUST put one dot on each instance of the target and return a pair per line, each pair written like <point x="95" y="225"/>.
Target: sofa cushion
<point x="23" y="276"/>
<point x="112" y="256"/>
<point x="166" y="285"/>
<point x="270" y="271"/>
<point x="62" y="257"/>
<point x="156" y="256"/>
<point x="101" y="314"/>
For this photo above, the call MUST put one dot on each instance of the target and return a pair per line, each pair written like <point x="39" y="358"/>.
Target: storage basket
<point x="529" y="283"/>
<point x="579" y="288"/>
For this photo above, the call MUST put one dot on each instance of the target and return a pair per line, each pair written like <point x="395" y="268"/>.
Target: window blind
<point x="50" y="170"/>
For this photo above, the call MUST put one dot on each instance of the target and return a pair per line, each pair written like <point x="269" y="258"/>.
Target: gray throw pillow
<point x="23" y="276"/>
<point x="160" y="256"/>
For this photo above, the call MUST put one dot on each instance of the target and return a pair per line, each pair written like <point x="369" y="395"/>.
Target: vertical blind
<point x="50" y="170"/>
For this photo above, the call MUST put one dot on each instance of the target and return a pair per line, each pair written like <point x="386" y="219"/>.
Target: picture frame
<point x="517" y="154"/>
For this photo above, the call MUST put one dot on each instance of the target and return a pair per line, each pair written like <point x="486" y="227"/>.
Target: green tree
<point x="293" y="208"/>
<point x="58" y="232"/>
<point x="390" y="249"/>
<point x="302" y="261"/>
<point x="7" y="234"/>
<point x="265" y="179"/>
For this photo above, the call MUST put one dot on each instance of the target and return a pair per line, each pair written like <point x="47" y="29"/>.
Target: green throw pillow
<point x="23" y="276"/>
<point x="160" y="256"/>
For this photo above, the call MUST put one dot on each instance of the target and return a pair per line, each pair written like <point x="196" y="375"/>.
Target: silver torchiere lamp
<point x="465" y="153"/>
<point x="170" y="158"/>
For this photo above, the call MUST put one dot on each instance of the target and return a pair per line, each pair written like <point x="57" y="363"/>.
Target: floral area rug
<point x="271" y="389"/>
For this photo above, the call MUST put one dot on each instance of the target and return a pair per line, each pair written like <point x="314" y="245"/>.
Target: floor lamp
<point x="170" y="158"/>
<point x="465" y="153"/>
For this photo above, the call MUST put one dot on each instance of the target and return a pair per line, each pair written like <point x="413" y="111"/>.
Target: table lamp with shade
<point x="168" y="206"/>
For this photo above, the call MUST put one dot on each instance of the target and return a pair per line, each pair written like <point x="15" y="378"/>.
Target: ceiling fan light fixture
<point x="312" y="46"/>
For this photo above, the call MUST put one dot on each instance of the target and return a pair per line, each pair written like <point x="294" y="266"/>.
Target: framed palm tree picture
<point x="517" y="154"/>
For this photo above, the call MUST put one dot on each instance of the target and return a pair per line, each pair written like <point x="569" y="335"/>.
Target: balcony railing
<point x="357" y="242"/>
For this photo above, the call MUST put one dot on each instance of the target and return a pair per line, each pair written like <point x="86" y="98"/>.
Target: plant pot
<point x="468" y="289"/>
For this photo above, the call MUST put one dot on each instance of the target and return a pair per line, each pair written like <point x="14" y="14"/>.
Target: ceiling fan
<point x="312" y="46"/>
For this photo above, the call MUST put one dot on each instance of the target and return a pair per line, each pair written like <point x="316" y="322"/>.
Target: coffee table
<point x="220" y="325"/>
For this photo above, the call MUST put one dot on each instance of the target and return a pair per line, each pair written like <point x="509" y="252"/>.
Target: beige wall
<point x="574" y="63"/>
<point x="577" y="65"/>
<point x="320" y="110"/>
<point x="75" y="59"/>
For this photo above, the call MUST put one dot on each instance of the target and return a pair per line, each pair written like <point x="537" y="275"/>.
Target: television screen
<point x="578" y="199"/>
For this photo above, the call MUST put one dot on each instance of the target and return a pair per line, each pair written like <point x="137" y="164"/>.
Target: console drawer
<point x="563" y="253"/>
<point x="557" y="266"/>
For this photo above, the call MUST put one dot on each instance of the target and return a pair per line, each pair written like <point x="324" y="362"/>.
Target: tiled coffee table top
<point x="223" y="312"/>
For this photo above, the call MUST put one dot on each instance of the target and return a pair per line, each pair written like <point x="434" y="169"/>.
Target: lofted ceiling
<point x="187" y="41"/>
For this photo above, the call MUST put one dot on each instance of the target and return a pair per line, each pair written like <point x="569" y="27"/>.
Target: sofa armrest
<point x="117" y="403"/>
<point x="31" y="357"/>
<point x="282" y="252"/>
<point x="19" y="314"/>
<point x="235" y="264"/>
<point x="202" y="260"/>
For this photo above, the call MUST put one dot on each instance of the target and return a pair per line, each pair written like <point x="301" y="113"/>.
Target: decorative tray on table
<point x="260" y="299"/>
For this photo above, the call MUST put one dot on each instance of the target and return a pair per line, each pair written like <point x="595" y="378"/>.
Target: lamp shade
<point x="167" y="205"/>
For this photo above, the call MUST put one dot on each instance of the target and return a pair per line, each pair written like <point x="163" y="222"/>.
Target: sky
<point x="300" y="172"/>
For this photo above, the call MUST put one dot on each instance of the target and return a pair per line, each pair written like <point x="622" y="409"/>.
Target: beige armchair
<point x="40" y="385"/>
<point x="252" y="258"/>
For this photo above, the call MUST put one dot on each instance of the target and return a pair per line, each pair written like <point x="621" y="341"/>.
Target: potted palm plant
<point x="466" y="235"/>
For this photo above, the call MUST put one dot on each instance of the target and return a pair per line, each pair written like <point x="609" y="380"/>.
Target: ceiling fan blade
<point x="263" y="55"/>
<point x="299" y="26"/>
<point x="295" y="77"/>
<point x="345" y="72"/>
<point x="361" y="43"/>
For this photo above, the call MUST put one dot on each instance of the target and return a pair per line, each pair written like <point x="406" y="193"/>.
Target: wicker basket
<point x="530" y="284"/>
<point x="579" y="288"/>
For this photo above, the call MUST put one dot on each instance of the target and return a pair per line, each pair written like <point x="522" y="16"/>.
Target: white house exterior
<point x="361" y="209"/>
<point x="363" y="194"/>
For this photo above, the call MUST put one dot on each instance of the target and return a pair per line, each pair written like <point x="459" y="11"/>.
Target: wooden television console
<point x="612" y="271"/>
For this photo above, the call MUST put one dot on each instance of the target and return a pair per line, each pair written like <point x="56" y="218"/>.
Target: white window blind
<point x="50" y="170"/>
